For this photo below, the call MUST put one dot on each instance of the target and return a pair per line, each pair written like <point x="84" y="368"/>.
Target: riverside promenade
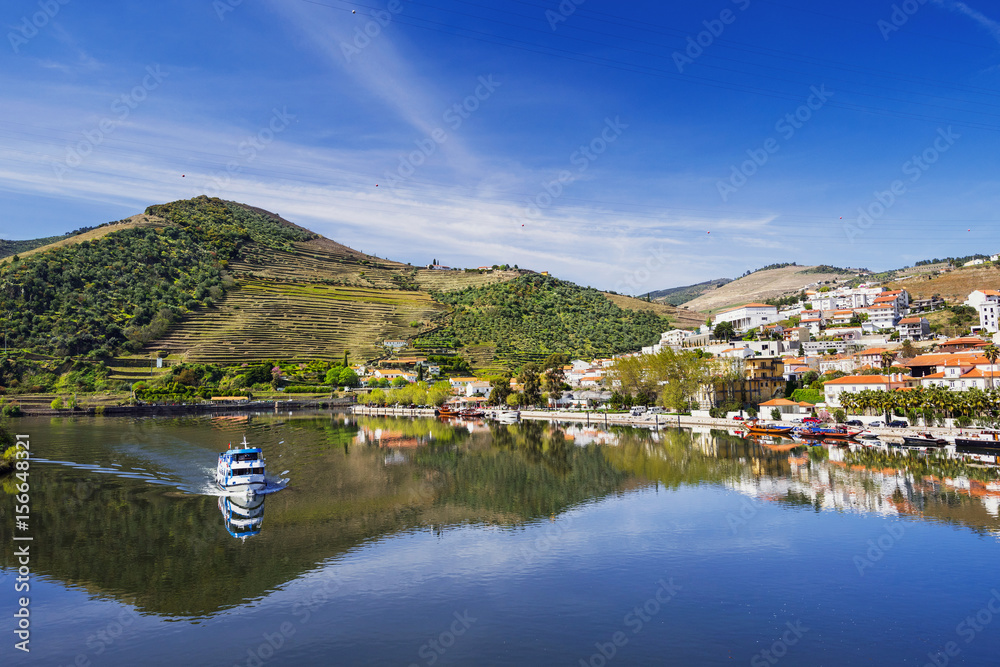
<point x="661" y="420"/>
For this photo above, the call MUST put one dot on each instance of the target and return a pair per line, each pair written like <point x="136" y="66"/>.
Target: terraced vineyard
<point x="269" y="319"/>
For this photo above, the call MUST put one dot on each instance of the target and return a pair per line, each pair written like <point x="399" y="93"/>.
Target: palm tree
<point x="991" y="352"/>
<point x="887" y="359"/>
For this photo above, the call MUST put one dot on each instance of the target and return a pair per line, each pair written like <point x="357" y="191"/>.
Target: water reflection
<point x="242" y="515"/>
<point x="135" y="537"/>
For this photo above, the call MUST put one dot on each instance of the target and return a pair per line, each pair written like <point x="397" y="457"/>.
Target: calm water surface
<point x="414" y="542"/>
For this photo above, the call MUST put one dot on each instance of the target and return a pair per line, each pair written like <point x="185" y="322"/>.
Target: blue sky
<point x="627" y="146"/>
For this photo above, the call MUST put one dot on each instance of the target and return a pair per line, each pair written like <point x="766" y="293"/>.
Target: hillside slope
<point x="760" y="286"/>
<point x="953" y="286"/>
<point x="211" y="281"/>
<point x="678" y="295"/>
<point x="532" y="316"/>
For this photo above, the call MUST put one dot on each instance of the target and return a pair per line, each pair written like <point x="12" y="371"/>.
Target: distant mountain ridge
<point x="760" y="285"/>
<point x="676" y="296"/>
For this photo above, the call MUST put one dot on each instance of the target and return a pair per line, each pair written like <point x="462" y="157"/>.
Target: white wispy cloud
<point x="988" y="24"/>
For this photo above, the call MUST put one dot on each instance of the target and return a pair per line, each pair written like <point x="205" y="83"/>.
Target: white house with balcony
<point x="987" y="304"/>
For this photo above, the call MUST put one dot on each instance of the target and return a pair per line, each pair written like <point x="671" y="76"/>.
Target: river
<point x="419" y="542"/>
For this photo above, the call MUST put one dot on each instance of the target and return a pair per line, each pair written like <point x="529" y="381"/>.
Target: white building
<point x="883" y="316"/>
<point x="987" y="304"/>
<point x="834" y="389"/>
<point x="749" y="316"/>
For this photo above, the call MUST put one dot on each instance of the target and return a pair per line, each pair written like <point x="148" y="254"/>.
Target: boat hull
<point x="243" y="487"/>
<point x="912" y="441"/>
<point x="765" y="430"/>
<point x="977" y="444"/>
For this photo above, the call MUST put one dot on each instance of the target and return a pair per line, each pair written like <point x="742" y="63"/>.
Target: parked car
<point x="811" y="420"/>
<point x="899" y="423"/>
<point x="737" y="418"/>
<point x="854" y="422"/>
<point x="876" y="424"/>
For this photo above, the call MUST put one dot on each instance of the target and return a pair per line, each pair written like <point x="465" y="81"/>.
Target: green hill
<point x="216" y="282"/>
<point x="532" y="316"/>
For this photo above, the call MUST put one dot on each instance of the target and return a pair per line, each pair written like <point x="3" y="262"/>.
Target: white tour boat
<point x="241" y="470"/>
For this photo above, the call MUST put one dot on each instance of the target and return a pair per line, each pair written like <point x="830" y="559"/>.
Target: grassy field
<point x="681" y="317"/>
<point x="953" y="287"/>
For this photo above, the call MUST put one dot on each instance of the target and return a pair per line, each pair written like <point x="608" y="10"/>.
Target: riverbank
<point x="656" y="421"/>
<point x="165" y="409"/>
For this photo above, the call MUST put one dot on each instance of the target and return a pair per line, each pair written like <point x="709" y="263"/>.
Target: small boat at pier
<point x="824" y="433"/>
<point x="987" y="439"/>
<point x="923" y="440"/>
<point x="756" y="428"/>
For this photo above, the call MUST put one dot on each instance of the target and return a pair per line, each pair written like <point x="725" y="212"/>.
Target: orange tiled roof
<point x="866" y="379"/>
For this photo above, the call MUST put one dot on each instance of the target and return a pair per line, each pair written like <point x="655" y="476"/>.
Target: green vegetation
<point x="532" y="316"/>
<point x="126" y="288"/>
<point x="933" y="404"/>
<point x="669" y="378"/>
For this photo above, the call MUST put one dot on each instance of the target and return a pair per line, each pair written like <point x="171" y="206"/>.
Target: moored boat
<point x="923" y="440"/>
<point x="241" y="470"/>
<point x="987" y="439"/>
<point x="756" y="428"/>
<point x="824" y="433"/>
<point x="446" y="411"/>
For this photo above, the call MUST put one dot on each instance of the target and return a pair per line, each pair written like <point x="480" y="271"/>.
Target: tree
<point x="499" y="390"/>
<point x="907" y="351"/>
<point x="400" y="382"/>
<point x="420" y="372"/>
<point x="887" y="359"/>
<point x="333" y="375"/>
<point x="345" y="359"/>
<point x="529" y="380"/>
<point x="776" y="414"/>
<point x="991" y="352"/>
<point x="724" y="331"/>
<point x="348" y="378"/>
<point x="554" y="375"/>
